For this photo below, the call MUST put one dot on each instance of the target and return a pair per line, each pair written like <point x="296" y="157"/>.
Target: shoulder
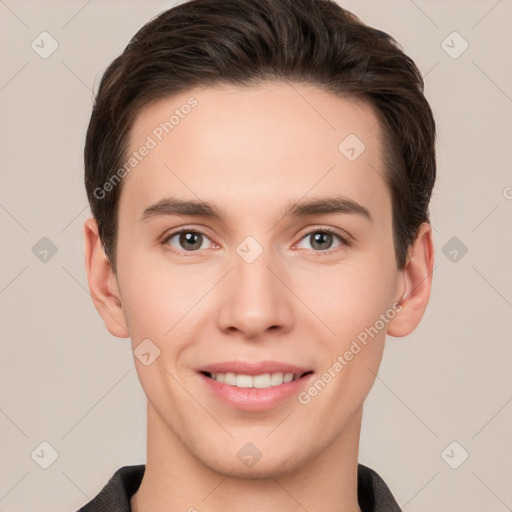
<point x="372" y="492"/>
<point x="116" y="494"/>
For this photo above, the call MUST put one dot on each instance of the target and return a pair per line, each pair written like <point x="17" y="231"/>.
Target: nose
<point x="254" y="298"/>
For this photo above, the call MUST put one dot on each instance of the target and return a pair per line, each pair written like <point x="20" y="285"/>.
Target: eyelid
<point x="188" y="229"/>
<point x="345" y="239"/>
<point x="178" y="231"/>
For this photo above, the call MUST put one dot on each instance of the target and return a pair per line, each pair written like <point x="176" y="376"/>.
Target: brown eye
<point x="322" y="240"/>
<point x="187" y="241"/>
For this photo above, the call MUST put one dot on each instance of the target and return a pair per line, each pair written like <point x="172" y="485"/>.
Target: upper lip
<point x="253" y="368"/>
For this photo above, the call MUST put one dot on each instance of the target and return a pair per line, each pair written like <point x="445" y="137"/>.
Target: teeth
<point x="262" y="381"/>
<point x="244" y="381"/>
<point x="265" y="380"/>
<point x="288" y="377"/>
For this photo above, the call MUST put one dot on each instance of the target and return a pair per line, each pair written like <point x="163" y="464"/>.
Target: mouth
<point x="254" y="386"/>
<point x="260" y="381"/>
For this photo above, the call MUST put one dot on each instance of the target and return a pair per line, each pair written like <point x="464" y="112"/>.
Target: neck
<point x="176" y="480"/>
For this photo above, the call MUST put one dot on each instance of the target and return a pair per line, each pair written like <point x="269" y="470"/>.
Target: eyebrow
<point x="326" y="205"/>
<point x="174" y="206"/>
<point x="314" y="206"/>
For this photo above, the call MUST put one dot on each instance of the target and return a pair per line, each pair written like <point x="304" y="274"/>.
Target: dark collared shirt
<point x="372" y="492"/>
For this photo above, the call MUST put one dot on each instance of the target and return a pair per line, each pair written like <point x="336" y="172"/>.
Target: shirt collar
<point x="372" y="492"/>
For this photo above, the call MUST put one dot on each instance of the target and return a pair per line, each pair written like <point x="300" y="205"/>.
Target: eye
<point x="187" y="240"/>
<point x="322" y="240"/>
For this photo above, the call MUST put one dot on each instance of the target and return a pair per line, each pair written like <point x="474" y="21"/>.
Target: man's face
<point x="257" y="285"/>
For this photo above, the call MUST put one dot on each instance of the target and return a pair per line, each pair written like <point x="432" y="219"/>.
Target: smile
<point x="254" y="386"/>
<point x="261" y="381"/>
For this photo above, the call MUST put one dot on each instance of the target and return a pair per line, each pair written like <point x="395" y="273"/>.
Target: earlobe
<point x="102" y="282"/>
<point x="417" y="276"/>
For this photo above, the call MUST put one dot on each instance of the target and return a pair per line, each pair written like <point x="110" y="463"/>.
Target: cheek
<point x="160" y="299"/>
<point x="349" y="298"/>
<point x="352" y="353"/>
<point x="146" y="294"/>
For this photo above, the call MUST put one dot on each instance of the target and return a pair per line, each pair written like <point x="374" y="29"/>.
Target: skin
<point x="251" y="151"/>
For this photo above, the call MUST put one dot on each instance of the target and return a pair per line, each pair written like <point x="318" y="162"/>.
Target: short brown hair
<point x="243" y="42"/>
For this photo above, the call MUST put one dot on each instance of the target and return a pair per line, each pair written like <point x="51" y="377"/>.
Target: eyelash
<point x="344" y="241"/>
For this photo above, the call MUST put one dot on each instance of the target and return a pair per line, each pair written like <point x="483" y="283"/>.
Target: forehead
<point x="243" y="145"/>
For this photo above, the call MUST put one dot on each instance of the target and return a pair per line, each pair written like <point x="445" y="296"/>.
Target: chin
<point x="263" y="469"/>
<point x="243" y="459"/>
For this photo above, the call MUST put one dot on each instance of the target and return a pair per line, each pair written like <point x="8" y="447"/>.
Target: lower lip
<point x="254" y="399"/>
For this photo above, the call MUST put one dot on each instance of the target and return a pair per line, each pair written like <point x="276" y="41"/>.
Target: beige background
<point x="64" y="380"/>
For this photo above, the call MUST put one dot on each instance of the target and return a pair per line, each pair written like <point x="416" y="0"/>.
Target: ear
<point x="417" y="277"/>
<point x="102" y="282"/>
